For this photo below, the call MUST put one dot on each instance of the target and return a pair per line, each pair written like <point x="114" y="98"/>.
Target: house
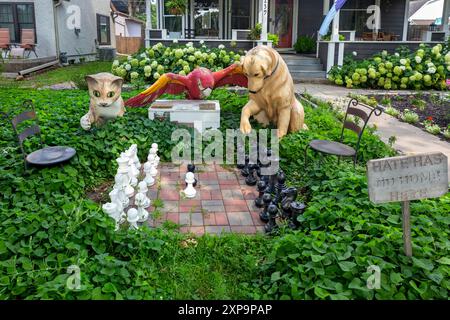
<point x="369" y="26"/>
<point x="76" y="27"/>
<point x="125" y="25"/>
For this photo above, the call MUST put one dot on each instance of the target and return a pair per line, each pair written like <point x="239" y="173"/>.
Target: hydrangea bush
<point x="426" y="68"/>
<point x="150" y="64"/>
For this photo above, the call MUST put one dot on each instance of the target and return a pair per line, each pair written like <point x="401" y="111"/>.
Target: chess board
<point x="224" y="203"/>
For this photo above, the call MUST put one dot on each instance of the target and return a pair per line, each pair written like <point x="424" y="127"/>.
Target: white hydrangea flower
<point x="384" y="53"/>
<point x="403" y="68"/>
<point x="202" y="41"/>
<point x="354" y="53"/>
<point x="430" y="64"/>
<point x="128" y="67"/>
<point x="221" y="46"/>
<point x="403" y="61"/>
<point x="397" y="54"/>
<point x="143" y="55"/>
<point x="418" y="59"/>
<point x="431" y="70"/>
<point x="189" y="44"/>
<point x="130" y="58"/>
<point x="116" y="63"/>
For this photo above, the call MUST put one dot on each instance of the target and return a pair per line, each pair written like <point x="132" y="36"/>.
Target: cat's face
<point x="104" y="89"/>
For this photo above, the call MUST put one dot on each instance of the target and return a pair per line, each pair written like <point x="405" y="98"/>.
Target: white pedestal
<point x="200" y="114"/>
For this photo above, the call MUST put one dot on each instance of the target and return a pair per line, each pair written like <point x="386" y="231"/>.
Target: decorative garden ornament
<point x="152" y="160"/>
<point x="148" y="177"/>
<point x="190" y="191"/>
<point x="132" y="153"/>
<point x="121" y="185"/>
<point x="114" y="211"/>
<point x="142" y="202"/>
<point x="106" y="102"/>
<point x="132" y="218"/>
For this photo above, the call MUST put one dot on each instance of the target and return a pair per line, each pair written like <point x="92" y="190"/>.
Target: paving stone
<point x="169" y="194"/>
<point x="256" y="220"/>
<point x="174" y="217"/>
<point x="196" y="219"/>
<point x="170" y="207"/>
<point x="198" y="231"/>
<point x="221" y="218"/>
<point x="244" y="229"/>
<point x="217" y="230"/>
<point x="209" y="219"/>
<point x="185" y="219"/>
<point x="240" y="219"/>
<point x="235" y="205"/>
<point x="250" y="194"/>
<point x="252" y="207"/>
<point x="213" y="205"/>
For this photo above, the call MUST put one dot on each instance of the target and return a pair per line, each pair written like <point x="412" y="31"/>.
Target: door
<point x="282" y="21"/>
<point x="207" y="18"/>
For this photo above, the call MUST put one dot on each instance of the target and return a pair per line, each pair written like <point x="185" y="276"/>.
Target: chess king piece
<point x="142" y="202"/>
<point x="272" y="224"/>
<point x="250" y="180"/>
<point x="261" y="186"/>
<point x="288" y="196"/>
<point x="280" y="186"/>
<point x="121" y="185"/>
<point x="132" y="218"/>
<point x="152" y="160"/>
<point x="190" y="192"/>
<point x="191" y="168"/>
<point x="297" y="208"/>
<point x="264" y="214"/>
<point x="148" y="177"/>
<point x="113" y="210"/>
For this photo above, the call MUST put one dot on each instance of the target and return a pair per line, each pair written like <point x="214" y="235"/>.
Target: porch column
<point x="406" y="22"/>
<point x="445" y="15"/>
<point x="264" y="13"/>
<point x="148" y="24"/>
<point x="335" y="27"/>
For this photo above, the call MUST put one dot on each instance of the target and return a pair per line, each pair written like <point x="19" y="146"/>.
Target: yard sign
<point x="407" y="178"/>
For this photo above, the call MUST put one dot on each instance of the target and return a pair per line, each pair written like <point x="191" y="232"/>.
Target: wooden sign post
<point x="407" y="178"/>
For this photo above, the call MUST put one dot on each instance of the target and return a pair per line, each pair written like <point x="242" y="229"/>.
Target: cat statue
<point x="106" y="103"/>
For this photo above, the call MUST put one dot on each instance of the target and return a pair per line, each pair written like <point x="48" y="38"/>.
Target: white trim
<point x="405" y="21"/>
<point x="335" y="27"/>
<point x="330" y="55"/>
<point x="341" y="54"/>
<point x="265" y="18"/>
<point x="326" y="7"/>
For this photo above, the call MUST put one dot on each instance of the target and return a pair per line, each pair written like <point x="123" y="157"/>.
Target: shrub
<point x="392" y="111"/>
<point x="305" y="44"/>
<point x="446" y="132"/>
<point x="409" y="116"/>
<point x="426" y="68"/>
<point x="433" y="128"/>
<point x="419" y="103"/>
<point x="255" y="34"/>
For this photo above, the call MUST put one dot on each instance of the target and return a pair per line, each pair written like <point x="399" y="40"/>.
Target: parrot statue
<point x="196" y="85"/>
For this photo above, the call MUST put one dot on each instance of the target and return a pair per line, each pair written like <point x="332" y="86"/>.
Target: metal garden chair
<point x="339" y="148"/>
<point x="28" y="42"/>
<point x="5" y="42"/>
<point x="46" y="155"/>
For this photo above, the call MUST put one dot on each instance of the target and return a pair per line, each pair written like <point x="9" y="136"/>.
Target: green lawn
<point x="59" y="75"/>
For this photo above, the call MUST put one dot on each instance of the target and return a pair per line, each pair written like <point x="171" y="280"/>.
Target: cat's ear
<point x="90" y="80"/>
<point x="118" y="81"/>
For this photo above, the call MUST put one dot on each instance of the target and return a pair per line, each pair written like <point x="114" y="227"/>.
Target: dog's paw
<point x="85" y="123"/>
<point x="245" y="128"/>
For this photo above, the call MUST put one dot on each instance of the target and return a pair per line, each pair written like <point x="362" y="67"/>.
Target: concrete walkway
<point x="409" y="139"/>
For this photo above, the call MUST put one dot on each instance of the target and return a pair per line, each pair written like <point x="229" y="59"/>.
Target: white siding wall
<point x="134" y="29"/>
<point x="120" y="26"/>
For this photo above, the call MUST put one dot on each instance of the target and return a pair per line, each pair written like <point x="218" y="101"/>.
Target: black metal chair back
<point x="361" y="114"/>
<point x="28" y="114"/>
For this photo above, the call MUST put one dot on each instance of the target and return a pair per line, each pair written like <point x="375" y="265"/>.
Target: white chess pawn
<point x="142" y="202"/>
<point x="113" y="210"/>
<point x="190" y="191"/>
<point x="153" y="171"/>
<point x="132" y="218"/>
<point x="154" y="151"/>
<point x="119" y="191"/>
<point x="148" y="177"/>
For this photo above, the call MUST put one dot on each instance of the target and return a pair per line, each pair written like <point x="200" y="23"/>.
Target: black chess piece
<point x="245" y="169"/>
<point x="297" y="208"/>
<point x="267" y="199"/>
<point x="261" y="186"/>
<point x="280" y="186"/>
<point x="191" y="168"/>
<point x="288" y="196"/>
<point x="272" y="210"/>
<point x="250" y="180"/>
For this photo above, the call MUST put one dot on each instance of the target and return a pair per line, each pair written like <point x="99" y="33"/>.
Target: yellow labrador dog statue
<point x="271" y="88"/>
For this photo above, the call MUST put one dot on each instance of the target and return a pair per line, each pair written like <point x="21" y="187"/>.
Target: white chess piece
<point x="148" y="177"/>
<point x="133" y="173"/>
<point x="132" y="218"/>
<point x="153" y="171"/>
<point x="132" y="154"/>
<point x="154" y="153"/>
<point x="85" y="122"/>
<point x="190" y="191"/>
<point x="142" y="202"/>
<point x="119" y="191"/>
<point x="113" y="210"/>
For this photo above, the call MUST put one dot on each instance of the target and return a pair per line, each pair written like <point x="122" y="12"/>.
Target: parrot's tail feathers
<point x="140" y="100"/>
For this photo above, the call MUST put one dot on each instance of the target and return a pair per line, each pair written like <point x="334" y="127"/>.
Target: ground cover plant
<point x="48" y="223"/>
<point x="426" y="68"/>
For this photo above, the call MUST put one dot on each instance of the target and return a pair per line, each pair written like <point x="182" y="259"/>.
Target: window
<point x="103" y="30"/>
<point x="354" y="16"/>
<point x="240" y="14"/>
<point x="173" y="23"/>
<point x="15" y="17"/>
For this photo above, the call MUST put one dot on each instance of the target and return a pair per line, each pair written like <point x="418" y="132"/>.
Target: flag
<point x="330" y="16"/>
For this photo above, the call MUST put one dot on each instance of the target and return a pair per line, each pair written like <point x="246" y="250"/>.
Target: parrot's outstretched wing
<point x="232" y="75"/>
<point x="167" y="83"/>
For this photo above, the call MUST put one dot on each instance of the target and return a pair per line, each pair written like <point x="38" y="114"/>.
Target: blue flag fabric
<point x="330" y="16"/>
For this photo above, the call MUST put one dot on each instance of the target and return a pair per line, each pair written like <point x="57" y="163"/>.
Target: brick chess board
<point x="224" y="203"/>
